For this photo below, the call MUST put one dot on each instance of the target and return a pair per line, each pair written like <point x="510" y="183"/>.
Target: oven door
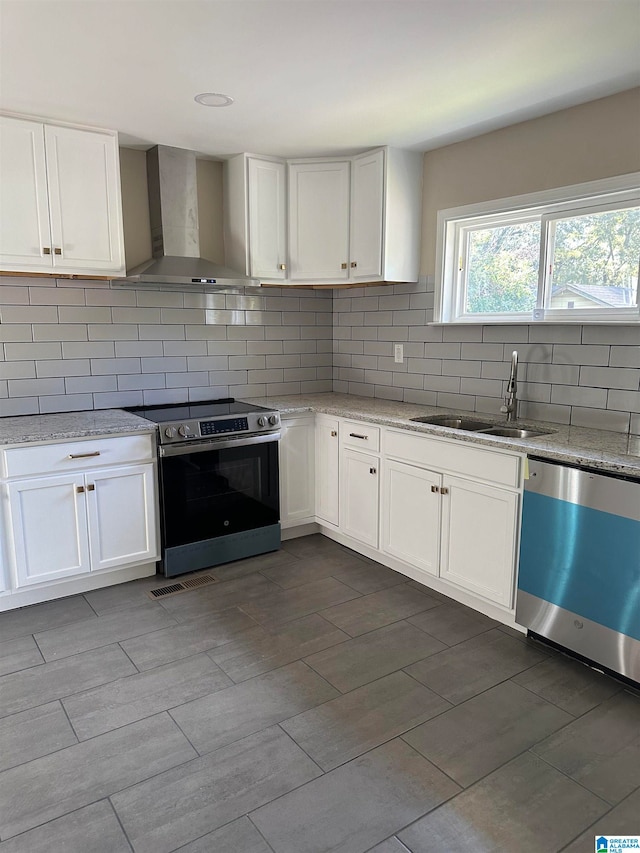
<point x="216" y="489"/>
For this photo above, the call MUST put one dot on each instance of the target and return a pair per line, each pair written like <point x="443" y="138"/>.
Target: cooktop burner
<point x="183" y="422"/>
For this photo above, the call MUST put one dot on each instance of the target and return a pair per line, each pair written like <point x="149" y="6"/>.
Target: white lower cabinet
<point x="412" y="514"/>
<point x="328" y="469"/>
<point x="359" y="478"/>
<point x="65" y="526"/>
<point x="479" y="535"/>
<point x="297" y="464"/>
<point x="444" y="510"/>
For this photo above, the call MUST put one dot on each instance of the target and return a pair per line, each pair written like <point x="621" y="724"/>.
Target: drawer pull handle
<point x="334" y="433"/>
<point x="356" y="435"/>
<point x="372" y="470"/>
<point x="91" y="487"/>
<point x="83" y="455"/>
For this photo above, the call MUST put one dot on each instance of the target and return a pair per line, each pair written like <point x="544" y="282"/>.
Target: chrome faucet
<point x="510" y="406"/>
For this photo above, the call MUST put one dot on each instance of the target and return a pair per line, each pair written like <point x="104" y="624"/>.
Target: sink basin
<point x="515" y="432"/>
<point x="453" y="422"/>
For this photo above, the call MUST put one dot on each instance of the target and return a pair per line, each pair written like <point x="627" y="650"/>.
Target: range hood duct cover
<point x="173" y="213"/>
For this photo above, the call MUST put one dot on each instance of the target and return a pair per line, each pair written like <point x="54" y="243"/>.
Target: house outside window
<point x="566" y="255"/>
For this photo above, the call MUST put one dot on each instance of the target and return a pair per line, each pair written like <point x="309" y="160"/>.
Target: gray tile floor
<point x="308" y="701"/>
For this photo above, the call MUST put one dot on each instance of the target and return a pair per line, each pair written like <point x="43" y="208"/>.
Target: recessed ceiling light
<point x="213" y="99"/>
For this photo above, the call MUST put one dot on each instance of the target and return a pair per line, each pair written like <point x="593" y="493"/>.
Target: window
<point x="565" y="255"/>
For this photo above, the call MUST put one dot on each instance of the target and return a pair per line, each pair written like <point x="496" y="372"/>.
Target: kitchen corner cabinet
<point x="60" y="200"/>
<point x="325" y="221"/>
<point x="319" y="221"/>
<point x="297" y="471"/>
<point x="328" y="469"/>
<point x="71" y="509"/>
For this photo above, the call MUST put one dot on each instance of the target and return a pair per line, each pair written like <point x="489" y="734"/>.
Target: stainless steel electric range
<point x="219" y="492"/>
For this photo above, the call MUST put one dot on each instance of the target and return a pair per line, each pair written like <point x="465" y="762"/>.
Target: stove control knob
<point x="262" y="421"/>
<point x="171" y="432"/>
<point x="184" y="430"/>
<point x="273" y="420"/>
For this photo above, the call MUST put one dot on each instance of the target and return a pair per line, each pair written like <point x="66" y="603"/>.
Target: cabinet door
<point x="267" y="219"/>
<point x="367" y="200"/>
<point x="25" y="235"/>
<point x="359" y="479"/>
<point x="84" y="199"/>
<point x="327" y="469"/>
<point x="48" y="522"/>
<point x="297" y="481"/>
<point x="122" y="518"/>
<point x="319" y="221"/>
<point x="411" y="515"/>
<point x="479" y="533"/>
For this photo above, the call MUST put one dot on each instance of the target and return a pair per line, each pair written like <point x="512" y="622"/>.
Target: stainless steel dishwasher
<point x="579" y="575"/>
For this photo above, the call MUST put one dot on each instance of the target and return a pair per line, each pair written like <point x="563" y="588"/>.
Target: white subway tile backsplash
<point x="584" y="354"/>
<point x="593" y="398"/>
<point x="600" y="419"/>
<point x="66" y="403"/>
<point x="28" y="314"/>
<point x="166" y="347"/>
<point x="90" y="349"/>
<point x="35" y="387"/>
<point x="627" y="379"/>
<point x="63" y="367"/>
<point x="625" y="356"/>
<point x="60" y="332"/>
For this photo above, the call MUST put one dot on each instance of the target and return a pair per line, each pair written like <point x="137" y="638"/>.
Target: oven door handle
<point x="217" y="444"/>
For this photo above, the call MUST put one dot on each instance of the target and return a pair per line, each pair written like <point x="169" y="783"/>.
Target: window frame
<point x="455" y="224"/>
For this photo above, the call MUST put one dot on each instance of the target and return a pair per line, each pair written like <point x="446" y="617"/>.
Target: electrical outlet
<point x="398" y="354"/>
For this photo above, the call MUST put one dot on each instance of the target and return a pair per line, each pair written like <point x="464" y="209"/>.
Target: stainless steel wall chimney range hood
<point x="173" y="210"/>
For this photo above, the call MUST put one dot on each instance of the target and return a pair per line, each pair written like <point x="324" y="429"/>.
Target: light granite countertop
<point x="594" y="448"/>
<point x="25" y="429"/>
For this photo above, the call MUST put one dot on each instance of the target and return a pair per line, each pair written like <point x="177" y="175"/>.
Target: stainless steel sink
<point x="484" y="427"/>
<point x="453" y="422"/>
<point x="515" y="432"/>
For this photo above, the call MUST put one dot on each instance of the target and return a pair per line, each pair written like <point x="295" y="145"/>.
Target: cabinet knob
<point x="373" y="470"/>
<point x="57" y="251"/>
<point x="80" y="489"/>
<point x="282" y="266"/>
<point x="91" y="487"/>
<point x="354" y="264"/>
<point x="334" y="433"/>
<point x="435" y="489"/>
<point x="343" y="266"/>
<point x="444" y="490"/>
<point x="46" y="250"/>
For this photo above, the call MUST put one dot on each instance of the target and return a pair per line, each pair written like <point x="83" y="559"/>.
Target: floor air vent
<point x="181" y="586"/>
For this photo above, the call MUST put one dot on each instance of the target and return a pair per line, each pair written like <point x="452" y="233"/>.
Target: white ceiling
<point x="311" y="76"/>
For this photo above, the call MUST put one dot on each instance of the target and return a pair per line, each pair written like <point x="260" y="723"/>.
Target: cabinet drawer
<point x="78" y="455"/>
<point x="360" y="435"/>
<point x="492" y="466"/>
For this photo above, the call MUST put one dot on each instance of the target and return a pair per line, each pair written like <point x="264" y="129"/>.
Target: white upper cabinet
<point x="339" y="221"/>
<point x="319" y="221"/>
<point x="367" y="205"/>
<point x="60" y="202"/>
